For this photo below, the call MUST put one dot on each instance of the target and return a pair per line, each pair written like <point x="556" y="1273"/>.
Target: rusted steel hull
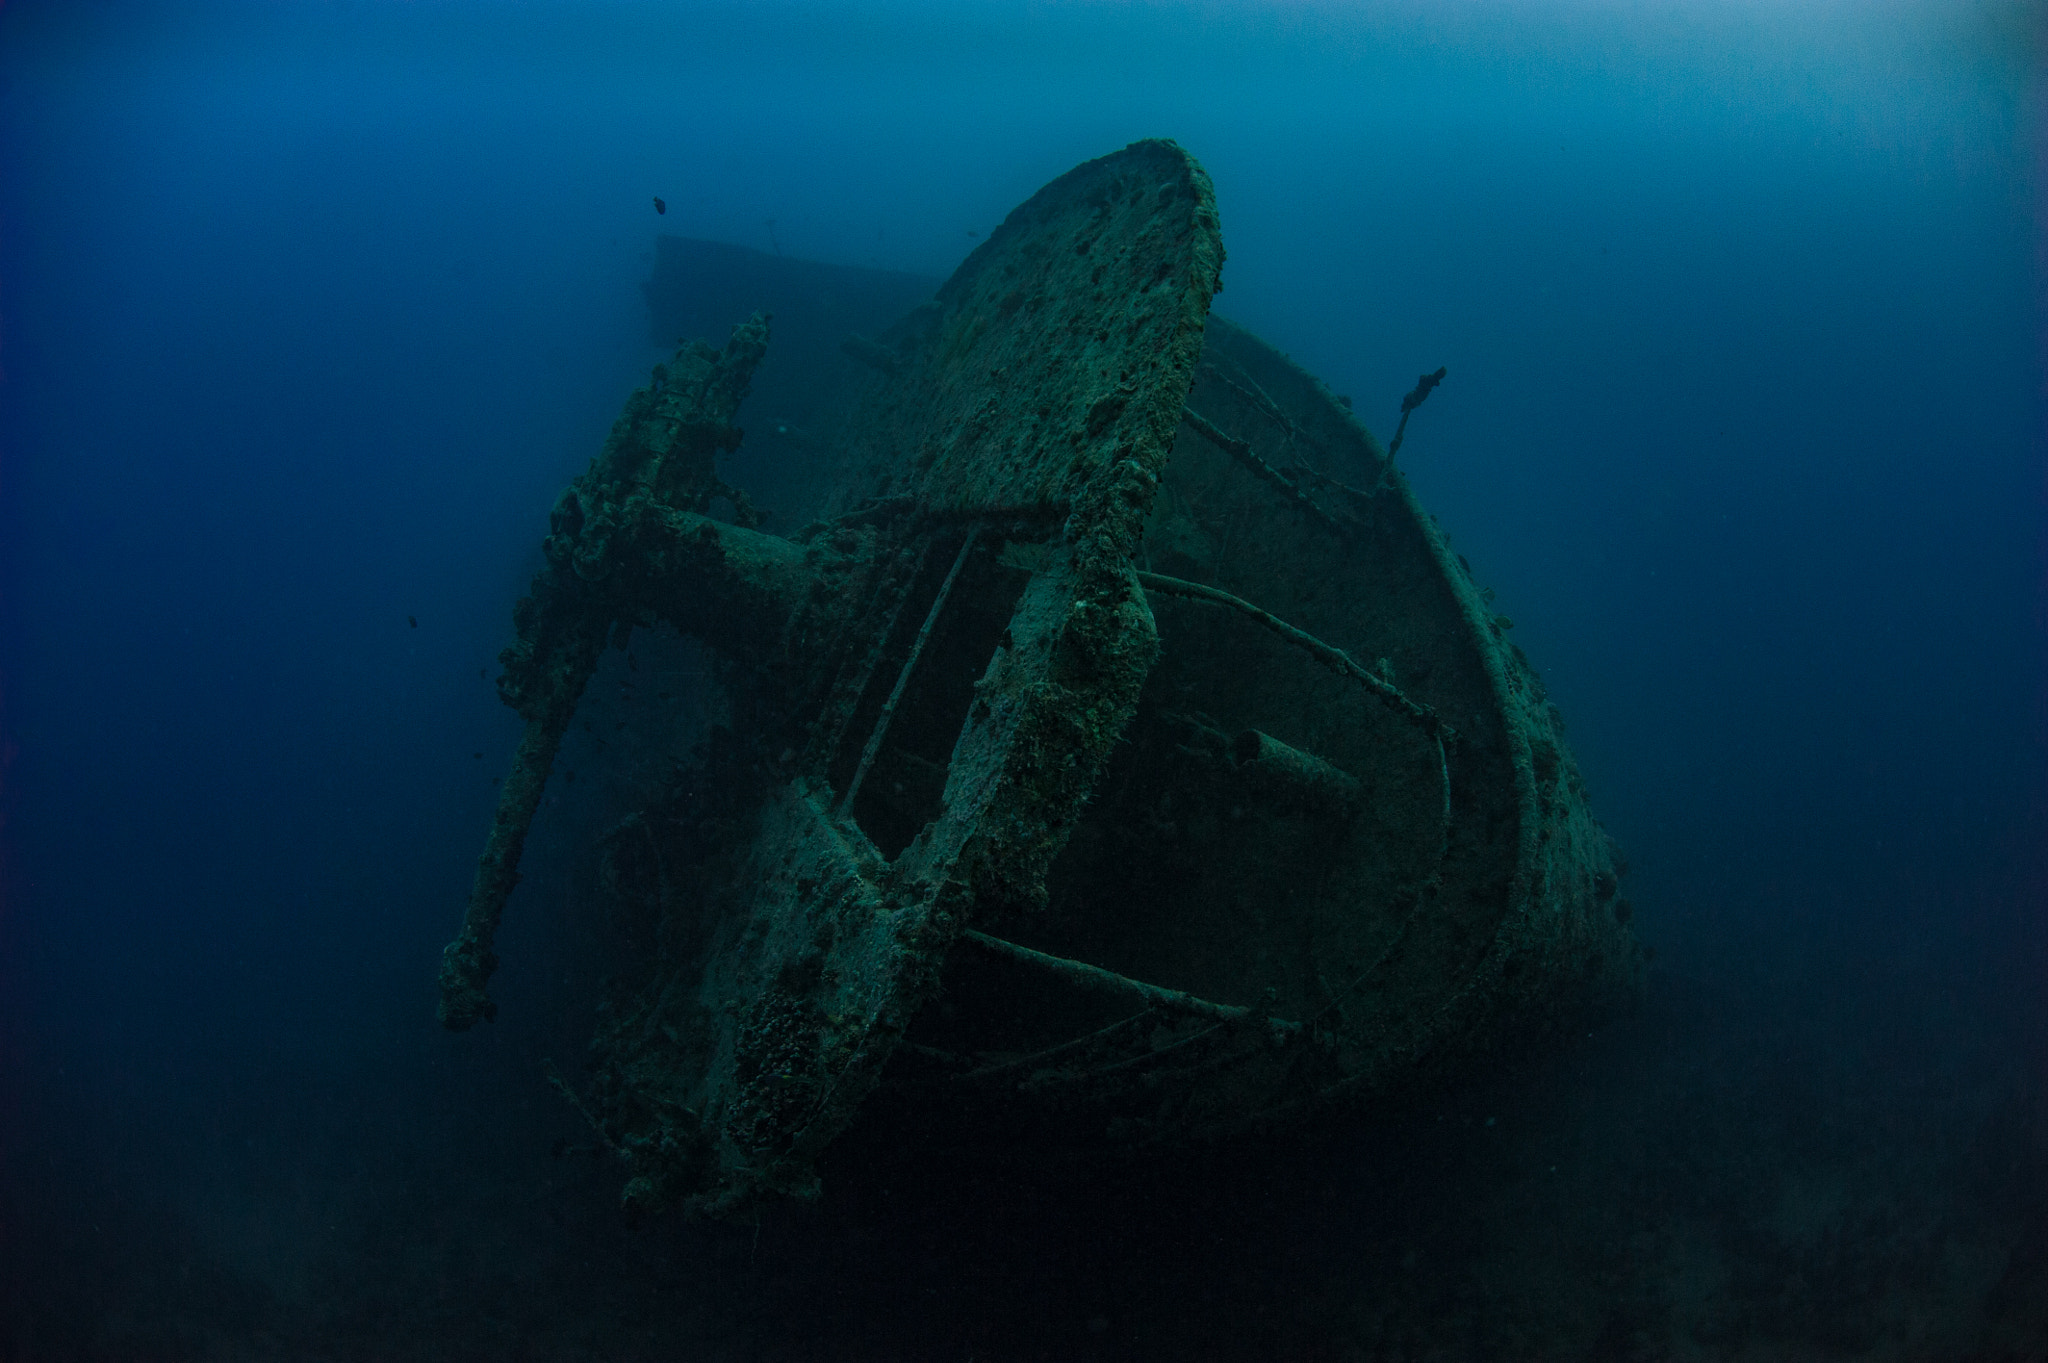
<point x="1124" y="743"/>
<point x="1380" y="898"/>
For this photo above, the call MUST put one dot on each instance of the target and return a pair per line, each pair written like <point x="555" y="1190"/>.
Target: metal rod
<point x="1336" y="659"/>
<point x="867" y="757"/>
<point x="1108" y="981"/>
<point x="1243" y="453"/>
<point x="1250" y="391"/>
<point x="1443" y="855"/>
<point x="1098" y="1037"/>
<point x="468" y="962"/>
<point x="1340" y="661"/>
<point x="873" y="657"/>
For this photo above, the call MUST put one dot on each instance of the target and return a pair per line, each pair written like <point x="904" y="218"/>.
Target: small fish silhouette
<point x="659" y="206"/>
<point x="413" y="620"/>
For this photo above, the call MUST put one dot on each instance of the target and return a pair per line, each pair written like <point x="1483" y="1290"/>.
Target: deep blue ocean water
<point x="309" y="309"/>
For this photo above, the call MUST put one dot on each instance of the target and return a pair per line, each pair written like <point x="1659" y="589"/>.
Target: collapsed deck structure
<point x="1124" y="743"/>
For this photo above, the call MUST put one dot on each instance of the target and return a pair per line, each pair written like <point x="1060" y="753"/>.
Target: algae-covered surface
<point x="1031" y="403"/>
<point x="1100" y="839"/>
<point x="674" y="683"/>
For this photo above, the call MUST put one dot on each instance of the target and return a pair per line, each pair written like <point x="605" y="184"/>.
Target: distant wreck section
<point x="1123" y="749"/>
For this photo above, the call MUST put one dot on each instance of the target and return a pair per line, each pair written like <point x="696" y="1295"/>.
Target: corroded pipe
<point x="627" y="544"/>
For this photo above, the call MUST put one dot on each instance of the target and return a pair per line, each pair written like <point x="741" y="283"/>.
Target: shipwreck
<point x="1122" y="747"/>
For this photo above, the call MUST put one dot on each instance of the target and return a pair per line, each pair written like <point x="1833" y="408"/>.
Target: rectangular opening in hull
<point x="899" y="783"/>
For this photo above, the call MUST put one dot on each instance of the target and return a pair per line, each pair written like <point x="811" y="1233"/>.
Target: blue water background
<point x="308" y="310"/>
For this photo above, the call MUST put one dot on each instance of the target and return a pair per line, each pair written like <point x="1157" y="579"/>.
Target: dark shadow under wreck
<point x="1123" y="749"/>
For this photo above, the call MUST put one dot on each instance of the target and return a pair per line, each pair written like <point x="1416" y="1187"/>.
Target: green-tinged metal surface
<point x="1124" y="748"/>
<point x="1344" y="805"/>
<point x="954" y="702"/>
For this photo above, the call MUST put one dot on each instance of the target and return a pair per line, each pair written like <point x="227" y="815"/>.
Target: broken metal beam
<point x="1098" y="980"/>
<point x="1243" y="453"/>
<point x="1330" y="656"/>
